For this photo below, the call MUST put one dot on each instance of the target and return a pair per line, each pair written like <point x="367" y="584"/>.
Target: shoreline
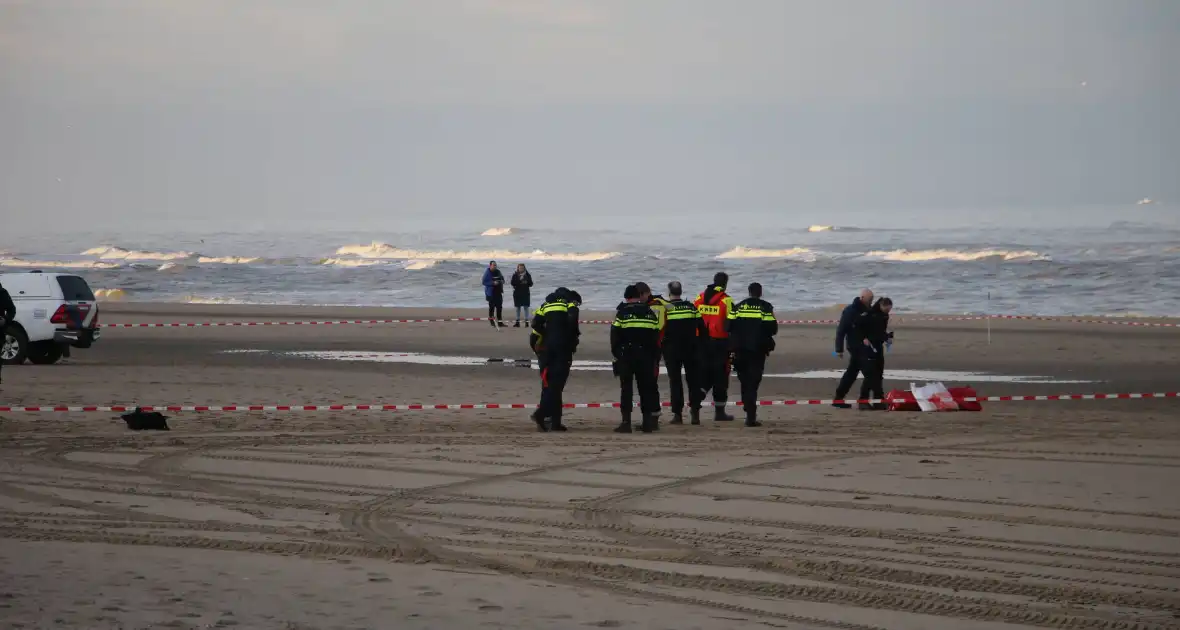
<point x="183" y="310"/>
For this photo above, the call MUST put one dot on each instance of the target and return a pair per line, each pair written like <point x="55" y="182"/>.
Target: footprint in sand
<point x="490" y="608"/>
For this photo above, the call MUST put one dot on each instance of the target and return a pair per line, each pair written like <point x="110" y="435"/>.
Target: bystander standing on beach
<point x="521" y="281"/>
<point x="493" y="290"/>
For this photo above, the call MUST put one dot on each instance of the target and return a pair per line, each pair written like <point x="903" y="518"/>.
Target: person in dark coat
<point x="847" y="335"/>
<point x="521" y="282"/>
<point x="874" y="331"/>
<point x="7" y="314"/>
<point x="493" y="290"/>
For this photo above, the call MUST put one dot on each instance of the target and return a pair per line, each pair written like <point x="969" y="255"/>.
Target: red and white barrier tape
<point x="339" y="322"/>
<point x="599" y="405"/>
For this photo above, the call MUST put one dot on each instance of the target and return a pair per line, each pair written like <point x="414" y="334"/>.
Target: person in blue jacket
<point x="493" y="290"/>
<point x="847" y="335"/>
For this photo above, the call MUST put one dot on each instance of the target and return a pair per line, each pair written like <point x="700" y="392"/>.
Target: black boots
<point x="542" y="426"/>
<point x="625" y="424"/>
<point x="649" y="423"/>
<point x="719" y="413"/>
<point x="695" y="415"/>
<point x="752" y="418"/>
<point x="540" y="420"/>
<point x="677" y="418"/>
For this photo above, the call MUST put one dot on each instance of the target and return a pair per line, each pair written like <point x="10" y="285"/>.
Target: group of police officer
<point x="703" y="339"/>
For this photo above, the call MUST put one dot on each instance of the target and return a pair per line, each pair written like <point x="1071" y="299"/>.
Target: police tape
<point x="788" y="322"/>
<point x="466" y="406"/>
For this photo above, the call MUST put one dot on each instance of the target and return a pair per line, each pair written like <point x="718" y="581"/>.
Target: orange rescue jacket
<point x="716" y="309"/>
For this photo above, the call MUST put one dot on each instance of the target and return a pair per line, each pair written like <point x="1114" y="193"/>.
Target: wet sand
<point x="1042" y="514"/>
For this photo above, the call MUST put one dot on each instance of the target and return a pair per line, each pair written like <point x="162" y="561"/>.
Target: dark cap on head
<point x="575" y="297"/>
<point x="562" y="293"/>
<point x="631" y="292"/>
<point x="674" y="288"/>
<point x="755" y="290"/>
<point x="642" y="288"/>
<point x="720" y="279"/>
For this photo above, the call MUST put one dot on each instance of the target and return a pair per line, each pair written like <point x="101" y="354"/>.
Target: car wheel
<point x="44" y="353"/>
<point x="16" y="346"/>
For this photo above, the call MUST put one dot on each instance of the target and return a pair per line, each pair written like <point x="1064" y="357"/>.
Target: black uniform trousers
<point x="688" y="360"/>
<point x="850" y="374"/>
<point x="555" y="371"/>
<point x="640" y="369"/>
<point x="872" y="365"/>
<point x="716" y="370"/>
<point x="749" y="366"/>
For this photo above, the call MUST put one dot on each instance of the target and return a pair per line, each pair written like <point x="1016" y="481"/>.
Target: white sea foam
<point x="926" y="255"/>
<point x="415" y="265"/>
<point x="110" y="295"/>
<point x="821" y="228"/>
<point x="378" y="250"/>
<point x="196" y="299"/>
<point x="748" y="252"/>
<point x="56" y="264"/>
<point x="227" y="260"/>
<point x="350" y="262"/>
<point x="107" y="252"/>
<point x="497" y="231"/>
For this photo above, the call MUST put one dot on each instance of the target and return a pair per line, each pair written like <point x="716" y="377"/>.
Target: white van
<point x="54" y="312"/>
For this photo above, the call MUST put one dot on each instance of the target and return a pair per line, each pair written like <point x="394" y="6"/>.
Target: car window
<point x="75" y="289"/>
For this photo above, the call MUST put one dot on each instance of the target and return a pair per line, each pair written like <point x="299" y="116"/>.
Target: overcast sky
<point x="143" y="113"/>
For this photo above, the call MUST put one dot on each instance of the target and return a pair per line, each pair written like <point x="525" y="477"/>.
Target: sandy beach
<point x="1037" y="514"/>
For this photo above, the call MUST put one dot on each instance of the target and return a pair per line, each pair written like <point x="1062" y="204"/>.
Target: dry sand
<point x="1054" y="514"/>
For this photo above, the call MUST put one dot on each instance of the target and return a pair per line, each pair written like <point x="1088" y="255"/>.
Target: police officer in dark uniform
<point x="684" y="336"/>
<point x="751" y="335"/>
<point x="634" y="344"/>
<point x="7" y="314"/>
<point x="554" y="339"/>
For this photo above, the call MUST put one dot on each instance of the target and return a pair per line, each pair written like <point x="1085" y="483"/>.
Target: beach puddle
<point x="933" y="375"/>
<point x="598" y="366"/>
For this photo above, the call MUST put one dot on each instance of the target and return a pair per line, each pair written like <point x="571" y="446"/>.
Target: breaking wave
<point x="56" y="264"/>
<point x="384" y="251"/>
<point x="227" y="260"/>
<point x="350" y="262"/>
<point x="498" y="231"/>
<point x="414" y="265"/>
<point x="927" y="255"/>
<point x="821" y="228"/>
<point x="196" y="299"/>
<point x="749" y="252"/>
<point x="110" y="295"/>
<point x="118" y="253"/>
